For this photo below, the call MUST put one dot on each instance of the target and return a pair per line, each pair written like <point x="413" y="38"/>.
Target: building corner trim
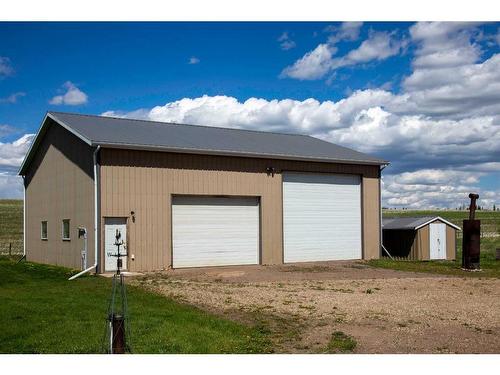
<point x="24" y="216"/>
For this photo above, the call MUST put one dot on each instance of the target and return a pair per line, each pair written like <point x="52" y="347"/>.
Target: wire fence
<point x="490" y="227"/>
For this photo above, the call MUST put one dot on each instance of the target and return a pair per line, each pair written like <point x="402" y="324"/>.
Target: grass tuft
<point x="341" y="343"/>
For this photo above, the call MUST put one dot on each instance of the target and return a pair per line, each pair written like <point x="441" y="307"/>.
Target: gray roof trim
<point x="439" y="218"/>
<point x="232" y="153"/>
<point x="69" y="128"/>
<point x="36" y="141"/>
<point x="39" y="135"/>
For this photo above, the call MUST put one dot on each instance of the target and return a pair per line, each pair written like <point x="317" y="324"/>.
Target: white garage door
<point x="210" y="231"/>
<point x="321" y="217"/>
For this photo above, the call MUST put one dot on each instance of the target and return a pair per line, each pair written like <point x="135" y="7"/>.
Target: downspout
<point x="96" y="217"/>
<point x="24" y="219"/>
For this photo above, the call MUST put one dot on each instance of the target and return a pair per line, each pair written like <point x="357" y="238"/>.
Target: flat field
<point x="11" y="225"/>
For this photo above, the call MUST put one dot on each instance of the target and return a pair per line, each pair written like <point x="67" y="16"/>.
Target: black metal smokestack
<point x="471" y="247"/>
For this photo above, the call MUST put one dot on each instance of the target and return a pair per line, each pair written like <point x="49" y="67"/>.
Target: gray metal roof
<point x="411" y="223"/>
<point x="151" y="135"/>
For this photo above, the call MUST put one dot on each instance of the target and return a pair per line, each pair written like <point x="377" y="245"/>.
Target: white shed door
<point x="210" y="231"/>
<point x="437" y="237"/>
<point x="321" y="217"/>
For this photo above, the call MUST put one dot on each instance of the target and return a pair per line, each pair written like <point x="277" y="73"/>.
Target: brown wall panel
<point x="144" y="182"/>
<point x="371" y="217"/>
<point x="451" y="237"/>
<point x="59" y="185"/>
<point x="423" y="241"/>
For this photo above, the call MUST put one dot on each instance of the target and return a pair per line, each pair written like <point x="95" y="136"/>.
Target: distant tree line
<point x="462" y="207"/>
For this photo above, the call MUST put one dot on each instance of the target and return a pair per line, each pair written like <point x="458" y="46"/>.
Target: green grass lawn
<point x="490" y="223"/>
<point x="42" y="312"/>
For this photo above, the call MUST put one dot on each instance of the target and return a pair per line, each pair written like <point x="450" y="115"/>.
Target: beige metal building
<point x="420" y="238"/>
<point x="193" y="196"/>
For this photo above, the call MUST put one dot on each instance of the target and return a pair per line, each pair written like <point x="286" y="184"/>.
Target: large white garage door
<point x="321" y="217"/>
<point x="210" y="231"/>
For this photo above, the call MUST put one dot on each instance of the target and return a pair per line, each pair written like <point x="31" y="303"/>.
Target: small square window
<point x="43" y="230"/>
<point x="65" y="230"/>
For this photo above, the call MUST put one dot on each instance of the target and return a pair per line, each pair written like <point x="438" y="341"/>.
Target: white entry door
<point x="321" y="217"/>
<point x="213" y="231"/>
<point x="437" y="235"/>
<point x="111" y="226"/>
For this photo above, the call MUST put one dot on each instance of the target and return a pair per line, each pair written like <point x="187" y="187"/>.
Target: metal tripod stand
<point x="116" y="338"/>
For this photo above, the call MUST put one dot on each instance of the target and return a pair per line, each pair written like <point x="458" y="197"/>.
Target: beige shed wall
<point x="144" y="182"/>
<point x="451" y="243"/>
<point x="424" y="250"/>
<point x="59" y="185"/>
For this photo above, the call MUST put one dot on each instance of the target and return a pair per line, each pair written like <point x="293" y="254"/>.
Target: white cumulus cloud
<point x="6" y="68"/>
<point x="286" y="42"/>
<point x="441" y="131"/>
<point x="193" y="60"/>
<point x="12" y="98"/>
<point x="444" y="44"/>
<point x="11" y="186"/>
<point x="12" y="154"/>
<point x="11" y="157"/>
<point x="72" y="95"/>
<point x="345" y="31"/>
<point x="443" y="124"/>
<point x="435" y="188"/>
<point x="315" y="64"/>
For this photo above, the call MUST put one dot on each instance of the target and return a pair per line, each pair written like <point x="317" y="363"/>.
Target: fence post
<point x="10" y="249"/>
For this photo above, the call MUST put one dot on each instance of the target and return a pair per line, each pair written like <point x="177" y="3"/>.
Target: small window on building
<point x="65" y="229"/>
<point x="43" y="230"/>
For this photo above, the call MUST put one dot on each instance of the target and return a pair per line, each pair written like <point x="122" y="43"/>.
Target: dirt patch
<point x="385" y="311"/>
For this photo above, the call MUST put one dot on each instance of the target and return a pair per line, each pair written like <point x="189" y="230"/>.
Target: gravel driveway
<point x="385" y="311"/>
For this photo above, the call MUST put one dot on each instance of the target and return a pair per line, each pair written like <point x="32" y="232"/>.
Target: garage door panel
<point x="321" y="217"/>
<point x="210" y="231"/>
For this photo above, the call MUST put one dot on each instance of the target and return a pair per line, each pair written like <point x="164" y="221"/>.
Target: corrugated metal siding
<point x="451" y="244"/>
<point x="143" y="182"/>
<point x="371" y="213"/>
<point x="423" y="243"/>
<point x="60" y="186"/>
<point x="415" y="248"/>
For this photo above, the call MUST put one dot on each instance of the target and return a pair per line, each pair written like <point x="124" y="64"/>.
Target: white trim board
<point x="438" y="218"/>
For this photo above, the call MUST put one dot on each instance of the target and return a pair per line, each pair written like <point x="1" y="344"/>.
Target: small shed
<point x="420" y="238"/>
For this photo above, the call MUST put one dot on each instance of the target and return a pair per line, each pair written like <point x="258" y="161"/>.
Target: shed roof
<point x="151" y="135"/>
<point x="412" y="223"/>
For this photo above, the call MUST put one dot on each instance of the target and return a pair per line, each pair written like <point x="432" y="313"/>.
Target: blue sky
<point x="147" y="63"/>
<point x="396" y="90"/>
